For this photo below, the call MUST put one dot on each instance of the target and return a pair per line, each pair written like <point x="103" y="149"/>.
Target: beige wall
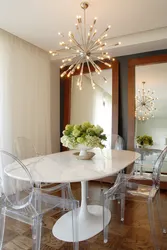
<point x="55" y="107"/>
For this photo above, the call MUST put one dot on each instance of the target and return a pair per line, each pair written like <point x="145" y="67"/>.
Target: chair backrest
<point x="24" y="148"/>
<point x="158" y="166"/>
<point x="17" y="186"/>
<point x="117" y="142"/>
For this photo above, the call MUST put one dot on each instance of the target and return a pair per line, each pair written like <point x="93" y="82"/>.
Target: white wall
<point x="88" y="105"/>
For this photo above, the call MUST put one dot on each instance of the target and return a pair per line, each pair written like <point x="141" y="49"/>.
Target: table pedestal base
<point x="89" y="225"/>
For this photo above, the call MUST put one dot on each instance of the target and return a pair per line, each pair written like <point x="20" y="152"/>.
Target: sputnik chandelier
<point x="84" y="48"/>
<point x="145" y="104"/>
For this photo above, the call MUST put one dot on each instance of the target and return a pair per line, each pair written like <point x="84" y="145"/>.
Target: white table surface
<point x="64" y="167"/>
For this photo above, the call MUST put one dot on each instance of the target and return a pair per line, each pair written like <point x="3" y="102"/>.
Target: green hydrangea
<point x="87" y="134"/>
<point x="144" y="140"/>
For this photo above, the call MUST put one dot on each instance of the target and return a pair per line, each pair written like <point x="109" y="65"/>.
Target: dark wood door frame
<point x="132" y="63"/>
<point x="66" y="82"/>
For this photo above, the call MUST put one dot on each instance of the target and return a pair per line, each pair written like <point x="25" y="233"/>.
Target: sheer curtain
<point x="24" y="93"/>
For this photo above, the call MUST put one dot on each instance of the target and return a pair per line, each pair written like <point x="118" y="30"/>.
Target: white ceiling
<point x="39" y="21"/>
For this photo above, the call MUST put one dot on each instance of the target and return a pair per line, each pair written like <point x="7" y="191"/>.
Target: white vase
<point x="83" y="153"/>
<point x="83" y="149"/>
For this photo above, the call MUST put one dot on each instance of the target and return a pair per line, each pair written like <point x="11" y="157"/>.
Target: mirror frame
<point x="132" y="63"/>
<point x="66" y="85"/>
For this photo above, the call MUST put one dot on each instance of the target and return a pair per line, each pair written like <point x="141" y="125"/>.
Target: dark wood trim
<point x="132" y="63"/>
<point x="147" y="60"/>
<point x="66" y="82"/>
<point x="115" y="97"/>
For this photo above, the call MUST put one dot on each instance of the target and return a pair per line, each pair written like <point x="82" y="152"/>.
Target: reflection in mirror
<point x="155" y="76"/>
<point x="93" y="105"/>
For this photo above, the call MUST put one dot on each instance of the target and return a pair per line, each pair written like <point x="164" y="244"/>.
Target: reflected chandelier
<point x="83" y="48"/>
<point x="145" y="104"/>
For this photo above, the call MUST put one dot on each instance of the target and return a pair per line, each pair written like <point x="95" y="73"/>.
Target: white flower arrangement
<point x="86" y="134"/>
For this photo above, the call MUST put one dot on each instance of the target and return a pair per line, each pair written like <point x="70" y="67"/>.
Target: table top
<point x="148" y="151"/>
<point x="64" y="167"/>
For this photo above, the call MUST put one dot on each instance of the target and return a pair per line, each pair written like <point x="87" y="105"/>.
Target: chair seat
<point x="141" y="190"/>
<point x="143" y="176"/>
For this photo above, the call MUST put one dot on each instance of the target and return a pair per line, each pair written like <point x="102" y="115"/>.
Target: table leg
<point x="90" y="219"/>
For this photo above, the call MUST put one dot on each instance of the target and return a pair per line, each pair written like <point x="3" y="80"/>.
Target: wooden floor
<point x="133" y="234"/>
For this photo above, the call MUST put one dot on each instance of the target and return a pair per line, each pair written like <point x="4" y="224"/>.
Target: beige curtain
<point x="24" y="93"/>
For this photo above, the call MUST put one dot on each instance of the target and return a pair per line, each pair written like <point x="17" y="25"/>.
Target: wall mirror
<point x="153" y="121"/>
<point x="99" y="105"/>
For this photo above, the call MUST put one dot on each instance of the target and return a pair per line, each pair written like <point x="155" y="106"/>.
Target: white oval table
<point x="64" y="167"/>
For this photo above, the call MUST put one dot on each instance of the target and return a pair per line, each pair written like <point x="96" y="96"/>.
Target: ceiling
<point x="135" y="23"/>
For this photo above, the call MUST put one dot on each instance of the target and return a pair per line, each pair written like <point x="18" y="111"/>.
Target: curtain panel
<point x="24" y="93"/>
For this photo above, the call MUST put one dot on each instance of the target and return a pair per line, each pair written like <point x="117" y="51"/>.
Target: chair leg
<point x="2" y="226"/>
<point x="87" y="190"/>
<point x="160" y="211"/>
<point x="106" y="203"/>
<point x="36" y="233"/>
<point x="75" y="206"/>
<point x="122" y="207"/>
<point x="152" y="224"/>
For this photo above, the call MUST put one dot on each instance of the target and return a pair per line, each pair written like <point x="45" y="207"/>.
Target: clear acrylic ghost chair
<point x="144" y="163"/>
<point x="116" y="192"/>
<point x="24" y="149"/>
<point x="149" y="193"/>
<point x="117" y="142"/>
<point x="29" y="204"/>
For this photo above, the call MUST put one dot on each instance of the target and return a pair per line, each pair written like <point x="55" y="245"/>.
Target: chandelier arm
<point x="89" y="36"/>
<point x="85" y="28"/>
<point x="81" y="31"/>
<point x="69" y="68"/>
<point x="80" y="35"/>
<point x="74" y="66"/>
<point x="75" y="42"/>
<point x="105" y="63"/>
<point x="97" y="68"/>
<point x="101" y="56"/>
<point x="150" y="110"/>
<point x="92" y="82"/>
<point x="101" y="37"/>
<point x="112" y="45"/>
<point x="81" y="76"/>
<point x="81" y="72"/>
<point x="149" y="100"/>
<point x="68" y="59"/>
<point x="98" y="43"/>
<point x="97" y="47"/>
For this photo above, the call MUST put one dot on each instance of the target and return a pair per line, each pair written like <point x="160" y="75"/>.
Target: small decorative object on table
<point x="83" y="137"/>
<point x="143" y="141"/>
